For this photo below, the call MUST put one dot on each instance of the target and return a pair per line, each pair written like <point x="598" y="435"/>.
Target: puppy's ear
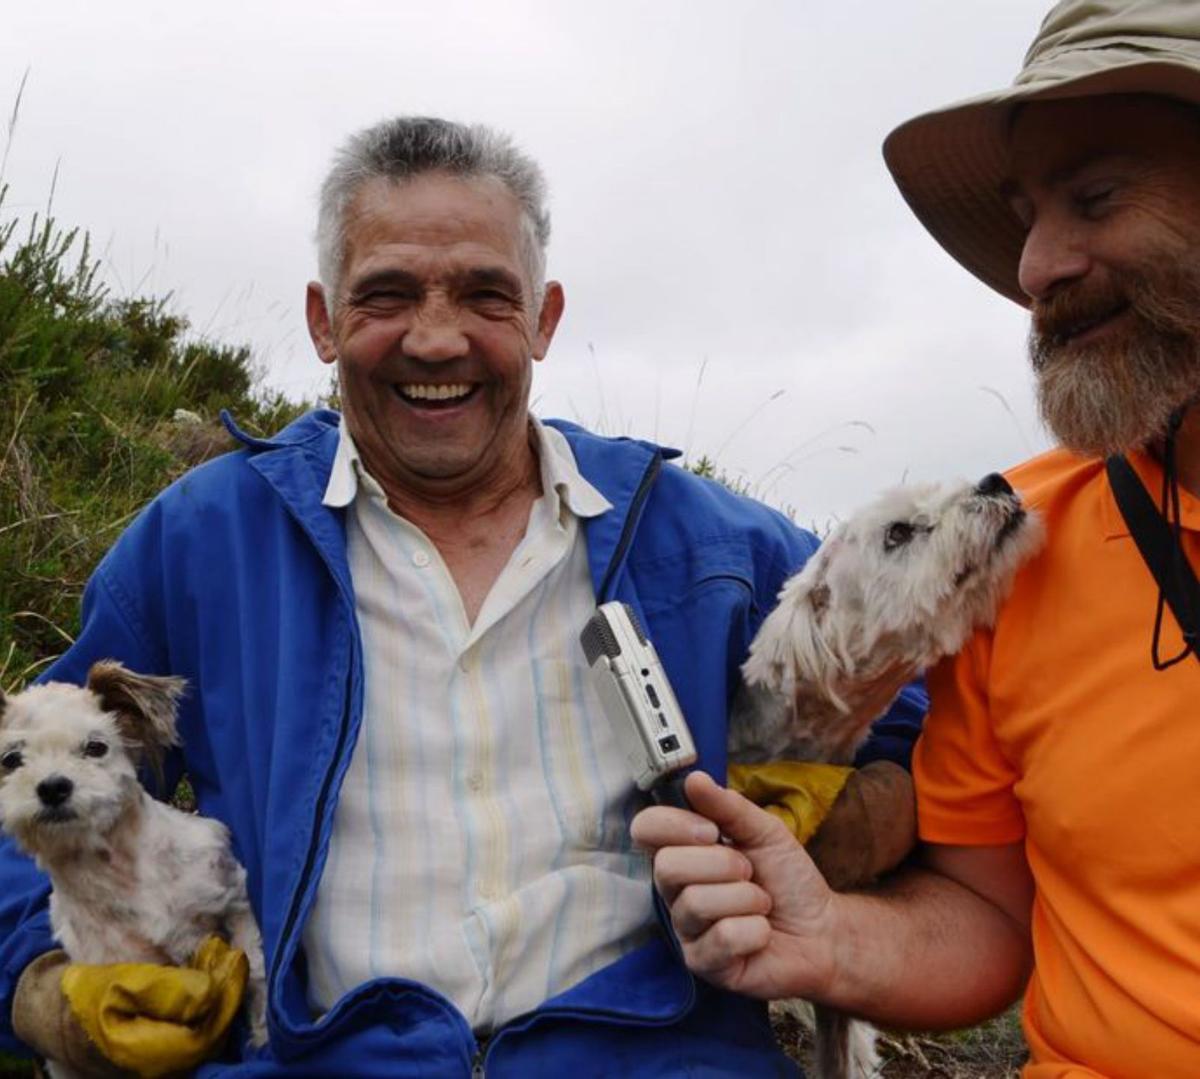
<point x="144" y="705"/>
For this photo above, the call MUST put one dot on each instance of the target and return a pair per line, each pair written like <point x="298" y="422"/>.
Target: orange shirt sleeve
<point x="964" y="781"/>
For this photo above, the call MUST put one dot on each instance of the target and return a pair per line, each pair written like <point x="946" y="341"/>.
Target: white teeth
<point x="424" y="391"/>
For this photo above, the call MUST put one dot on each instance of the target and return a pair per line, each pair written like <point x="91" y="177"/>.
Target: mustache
<point x="1162" y="298"/>
<point x="1068" y="313"/>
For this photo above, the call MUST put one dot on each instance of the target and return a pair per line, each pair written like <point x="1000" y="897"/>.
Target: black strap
<point x="1160" y="550"/>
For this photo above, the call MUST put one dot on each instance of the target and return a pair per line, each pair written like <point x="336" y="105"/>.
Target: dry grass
<point x="992" y="1050"/>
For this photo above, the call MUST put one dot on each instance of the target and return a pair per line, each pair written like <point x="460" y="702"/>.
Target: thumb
<point x="739" y="819"/>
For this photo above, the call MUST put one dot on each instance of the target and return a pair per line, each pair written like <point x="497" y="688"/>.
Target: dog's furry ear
<point x="144" y="706"/>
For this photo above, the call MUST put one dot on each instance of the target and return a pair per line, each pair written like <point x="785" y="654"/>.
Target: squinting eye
<point x="11" y="761"/>
<point x="898" y="533"/>
<point x="1092" y="200"/>
<point x="95" y="748"/>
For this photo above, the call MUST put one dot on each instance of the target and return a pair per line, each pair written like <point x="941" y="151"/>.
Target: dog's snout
<point x="992" y="485"/>
<point x="55" y="790"/>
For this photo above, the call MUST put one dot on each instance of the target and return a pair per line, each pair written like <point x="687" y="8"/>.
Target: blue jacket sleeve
<point x="894" y="734"/>
<point x="24" y="895"/>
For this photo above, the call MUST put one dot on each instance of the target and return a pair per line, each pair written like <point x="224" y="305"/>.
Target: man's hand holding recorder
<point x="748" y="902"/>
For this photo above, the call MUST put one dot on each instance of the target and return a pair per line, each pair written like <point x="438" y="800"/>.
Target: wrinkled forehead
<point x="433" y="209"/>
<point x="52" y="715"/>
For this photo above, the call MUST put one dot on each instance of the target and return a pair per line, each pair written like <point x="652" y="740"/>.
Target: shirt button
<point x="421" y="559"/>
<point x="475" y="781"/>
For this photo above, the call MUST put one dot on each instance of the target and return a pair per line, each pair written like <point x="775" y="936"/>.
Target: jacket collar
<point x="297" y="462"/>
<point x="618" y="468"/>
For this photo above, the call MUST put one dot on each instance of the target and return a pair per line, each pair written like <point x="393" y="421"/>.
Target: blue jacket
<point x="236" y="577"/>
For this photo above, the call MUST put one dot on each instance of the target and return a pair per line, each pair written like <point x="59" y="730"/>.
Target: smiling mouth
<point x="435" y="395"/>
<point x="1082" y="329"/>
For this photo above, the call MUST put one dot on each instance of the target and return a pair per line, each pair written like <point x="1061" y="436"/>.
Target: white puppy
<point x="902" y="583"/>
<point x="134" y="880"/>
<point x="896" y="587"/>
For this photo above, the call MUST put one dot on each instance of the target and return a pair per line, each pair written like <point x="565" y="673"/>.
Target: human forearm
<point x="924" y="951"/>
<point x="935" y="947"/>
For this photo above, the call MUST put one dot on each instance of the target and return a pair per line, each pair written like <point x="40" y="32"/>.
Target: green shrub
<point x="89" y="388"/>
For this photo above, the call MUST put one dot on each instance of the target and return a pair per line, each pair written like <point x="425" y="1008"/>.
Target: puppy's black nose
<point x="993" y="484"/>
<point x="55" y="790"/>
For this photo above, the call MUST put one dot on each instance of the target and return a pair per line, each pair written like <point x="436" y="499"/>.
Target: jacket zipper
<point x="310" y="857"/>
<point x="631" y="523"/>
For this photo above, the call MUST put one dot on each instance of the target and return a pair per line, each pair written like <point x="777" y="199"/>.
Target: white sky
<point x="742" y="278"/>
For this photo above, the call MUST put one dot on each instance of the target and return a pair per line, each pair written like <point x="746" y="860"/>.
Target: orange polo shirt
<point x="1054" y="728"/>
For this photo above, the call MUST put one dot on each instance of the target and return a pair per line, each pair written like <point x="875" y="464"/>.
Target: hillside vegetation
<point x="90" y="385"/>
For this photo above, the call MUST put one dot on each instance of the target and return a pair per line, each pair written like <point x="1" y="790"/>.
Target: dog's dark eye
<point x="897" y="535"/>
<point x="12" y="760"/>
<point x="94" y="748"/>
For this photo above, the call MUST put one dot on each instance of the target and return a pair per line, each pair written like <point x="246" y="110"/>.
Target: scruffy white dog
<point x="134" y="880"/>
<point x="896" y="587"/>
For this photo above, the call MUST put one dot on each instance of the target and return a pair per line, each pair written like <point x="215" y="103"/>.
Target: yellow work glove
<point x="154" y="1020"/>
<point x="854" y="823"/>
<point x="799" y="793"/>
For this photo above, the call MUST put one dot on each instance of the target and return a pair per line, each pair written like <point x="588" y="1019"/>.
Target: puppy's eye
<point x="95" y="748"/>
<point x="12" y="760"/>
<point x="898" y="533"/>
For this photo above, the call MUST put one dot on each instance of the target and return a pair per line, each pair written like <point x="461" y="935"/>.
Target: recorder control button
<point x="653" y="696"/>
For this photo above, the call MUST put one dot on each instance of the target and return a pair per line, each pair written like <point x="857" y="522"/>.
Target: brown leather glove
<point x="870" y="828"/>
<point x="42" y="1019"/>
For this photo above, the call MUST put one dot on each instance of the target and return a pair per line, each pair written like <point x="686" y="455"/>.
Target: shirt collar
<point x="562" y="482"/>
<point x="561" y="479"/>
<point x="347" y="471"/>
<point x="1150" y="472"/>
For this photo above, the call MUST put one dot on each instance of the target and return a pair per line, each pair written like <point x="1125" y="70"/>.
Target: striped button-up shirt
<point x="481" y="839"/>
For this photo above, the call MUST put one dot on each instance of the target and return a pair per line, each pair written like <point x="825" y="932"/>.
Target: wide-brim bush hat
<point x="951" y="164"/>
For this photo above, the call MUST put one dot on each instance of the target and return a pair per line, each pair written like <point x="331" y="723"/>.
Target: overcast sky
<point x="742" y="278"/>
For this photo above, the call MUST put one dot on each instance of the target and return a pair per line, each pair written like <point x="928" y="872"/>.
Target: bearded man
<point x="1056" y="777"/>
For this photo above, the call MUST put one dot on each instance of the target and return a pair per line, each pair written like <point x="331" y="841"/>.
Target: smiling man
<point x="1056" y="777"/>
<point x="378" y="616"/>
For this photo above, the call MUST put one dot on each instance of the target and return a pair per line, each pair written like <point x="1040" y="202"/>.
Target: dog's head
<point x="900" y="584"/>
<point x="69" y="754"/>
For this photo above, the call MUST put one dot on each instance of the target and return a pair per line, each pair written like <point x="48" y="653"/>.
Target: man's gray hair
<point x="402" y="148"/>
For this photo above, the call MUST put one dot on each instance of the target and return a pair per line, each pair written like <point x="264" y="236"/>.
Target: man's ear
<point x="553" y="302"/>
<point x="320" y="328"/>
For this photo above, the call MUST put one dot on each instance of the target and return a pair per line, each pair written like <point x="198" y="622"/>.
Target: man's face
<point x="434" y="329"/>
<point x="1109" y="190"/>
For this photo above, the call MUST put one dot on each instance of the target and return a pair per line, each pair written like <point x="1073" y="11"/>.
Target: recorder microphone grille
<point x="598" y="639"/>
<point x="637" y="625"/>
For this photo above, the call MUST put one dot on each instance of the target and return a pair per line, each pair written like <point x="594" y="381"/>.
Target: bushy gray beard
<point x="1117" y="394"/>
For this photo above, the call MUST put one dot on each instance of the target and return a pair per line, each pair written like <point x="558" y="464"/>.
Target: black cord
<point x="1169" y="508"/>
